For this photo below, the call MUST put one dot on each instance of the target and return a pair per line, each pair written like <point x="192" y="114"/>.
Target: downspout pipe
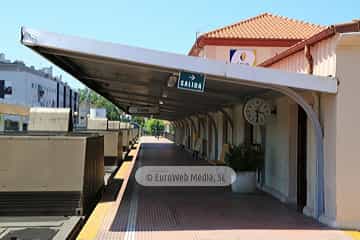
<point x="320" y="164"/>
<point x="309" y="59"/>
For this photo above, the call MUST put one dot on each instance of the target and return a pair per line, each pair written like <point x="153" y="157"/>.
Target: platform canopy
<point x="145" y="81"/>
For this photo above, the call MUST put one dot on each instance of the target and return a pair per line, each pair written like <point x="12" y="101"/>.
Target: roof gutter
<point x="349" y="39"/>
<point x="327" y="33"/>
<point x="265" y="42"/>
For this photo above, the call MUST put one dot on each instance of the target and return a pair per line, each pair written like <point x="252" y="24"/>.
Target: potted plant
<point x="244" y="160"/>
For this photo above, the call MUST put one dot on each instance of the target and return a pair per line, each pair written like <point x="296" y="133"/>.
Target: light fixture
<point x="164" y="94"/>
<point x="161" y="102"/>
<point x="172" y="80"/>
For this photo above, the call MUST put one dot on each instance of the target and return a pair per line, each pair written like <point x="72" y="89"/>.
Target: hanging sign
<point x="143" y="110"/>
<point x="191" y="81"/>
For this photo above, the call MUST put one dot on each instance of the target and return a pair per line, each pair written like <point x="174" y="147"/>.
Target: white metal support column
<point x="315" y="122"/>
<point x="212" y="121"/>
<point x="229" y="119"/>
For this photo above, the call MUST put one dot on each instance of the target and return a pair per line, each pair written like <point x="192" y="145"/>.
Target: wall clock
<point x="257" y="111"/>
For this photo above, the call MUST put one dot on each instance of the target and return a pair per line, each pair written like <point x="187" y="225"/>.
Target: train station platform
<point x="140" y="212"/>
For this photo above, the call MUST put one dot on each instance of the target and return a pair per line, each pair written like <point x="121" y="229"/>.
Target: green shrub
<point x="245" y="158"/>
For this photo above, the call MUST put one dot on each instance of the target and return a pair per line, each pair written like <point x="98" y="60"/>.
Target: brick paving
<point x="201" y="213"/>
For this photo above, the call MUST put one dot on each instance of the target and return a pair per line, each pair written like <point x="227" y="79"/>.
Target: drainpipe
<point x="309" y="59"/>
<point x="316" y="106"/>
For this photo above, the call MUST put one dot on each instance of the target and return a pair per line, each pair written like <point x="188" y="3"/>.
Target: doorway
<point x="301" y="159"/>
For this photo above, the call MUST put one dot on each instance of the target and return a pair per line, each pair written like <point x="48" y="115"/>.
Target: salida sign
<point x="191" y="81"/>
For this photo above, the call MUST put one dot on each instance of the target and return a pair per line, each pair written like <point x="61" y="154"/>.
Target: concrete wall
<point x="50" y="119"/>
<point x="25" y="170"/>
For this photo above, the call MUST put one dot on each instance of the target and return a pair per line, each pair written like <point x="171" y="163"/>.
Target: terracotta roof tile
<point x="267" y="26"/>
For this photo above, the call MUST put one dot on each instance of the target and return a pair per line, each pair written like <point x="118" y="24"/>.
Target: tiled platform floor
<point x="201" y="213"/>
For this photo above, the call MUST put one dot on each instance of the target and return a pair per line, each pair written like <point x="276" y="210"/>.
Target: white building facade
<point x="28" y="87"/>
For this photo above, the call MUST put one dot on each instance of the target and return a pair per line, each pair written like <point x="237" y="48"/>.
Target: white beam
<point x="176" y="62"/>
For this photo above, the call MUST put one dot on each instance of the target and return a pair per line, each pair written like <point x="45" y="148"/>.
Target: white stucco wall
<point x="347" y="135"/>
<point x="277" y="147"/>
<point x="222" y="53"/>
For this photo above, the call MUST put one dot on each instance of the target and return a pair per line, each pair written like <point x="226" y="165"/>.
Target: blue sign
<point x="191" y="81"/>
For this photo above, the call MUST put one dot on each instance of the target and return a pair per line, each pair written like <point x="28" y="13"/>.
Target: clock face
<point x="257" y="111"/>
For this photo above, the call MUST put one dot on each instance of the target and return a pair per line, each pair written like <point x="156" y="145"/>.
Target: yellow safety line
<point x="353" y="234"/>
<point x="123" y="171"/>
<point x="94" y="222"/>
<point x="132" y="153"/>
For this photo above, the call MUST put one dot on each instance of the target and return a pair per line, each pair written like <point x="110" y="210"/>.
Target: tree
<point x="154" y="126"/>
<point x="98" y="101"/>
<point x="139" y="120"/>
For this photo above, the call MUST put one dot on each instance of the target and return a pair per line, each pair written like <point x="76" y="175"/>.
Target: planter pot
<point x="245" y="182"/>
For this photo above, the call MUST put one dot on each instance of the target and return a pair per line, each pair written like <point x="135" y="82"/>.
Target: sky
<point x="157" y="24"/>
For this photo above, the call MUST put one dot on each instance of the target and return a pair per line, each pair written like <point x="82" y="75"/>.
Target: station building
<point x="30" y="87"/>
<point x="290" y="45"/>
<point x="307" y="74"/>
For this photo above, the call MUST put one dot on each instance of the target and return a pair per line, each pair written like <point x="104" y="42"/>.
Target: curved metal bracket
<point x="202" y="123"/>
<point x="193" y="125"/>
<point x="212" y="121"/>
<point x="229" y="119"/>
<point x="314" y="119"/>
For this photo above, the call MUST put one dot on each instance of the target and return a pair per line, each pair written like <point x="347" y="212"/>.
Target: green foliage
<point x="245" y="158"/>
<point x="154" y="126"/>
<point x="139" y="120"/>
<point x="95" y="100"/>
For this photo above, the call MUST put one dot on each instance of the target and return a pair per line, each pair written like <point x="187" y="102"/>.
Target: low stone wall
<point x="50" y="174"/>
